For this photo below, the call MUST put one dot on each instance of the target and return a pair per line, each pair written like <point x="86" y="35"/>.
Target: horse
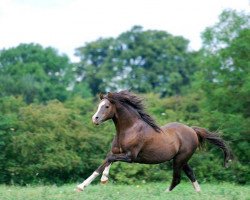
<point x="139" y="139"/>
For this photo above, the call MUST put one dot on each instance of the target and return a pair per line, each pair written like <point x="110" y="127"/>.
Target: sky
<point x="68" y="24"/>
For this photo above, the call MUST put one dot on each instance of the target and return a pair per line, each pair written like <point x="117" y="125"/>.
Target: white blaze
<point x="99" y="108"/>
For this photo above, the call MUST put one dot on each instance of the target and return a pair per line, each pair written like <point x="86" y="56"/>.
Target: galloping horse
<point x="139" y="139"/>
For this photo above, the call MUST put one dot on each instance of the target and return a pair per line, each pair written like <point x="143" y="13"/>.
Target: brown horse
<point x="138" y="139"/>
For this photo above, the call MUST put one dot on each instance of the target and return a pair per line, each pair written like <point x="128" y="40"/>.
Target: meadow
<point x="156" y="191"/>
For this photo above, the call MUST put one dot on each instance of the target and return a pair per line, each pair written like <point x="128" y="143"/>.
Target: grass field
<point x="152" y="191"/>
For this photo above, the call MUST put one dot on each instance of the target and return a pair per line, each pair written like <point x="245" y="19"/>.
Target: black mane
<point x="125" y="97"/>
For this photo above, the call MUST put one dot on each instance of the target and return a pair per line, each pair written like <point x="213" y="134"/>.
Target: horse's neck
<point x="124" y="118"/>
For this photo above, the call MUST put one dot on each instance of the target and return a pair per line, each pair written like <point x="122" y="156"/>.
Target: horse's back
<point x="176" y="126"/>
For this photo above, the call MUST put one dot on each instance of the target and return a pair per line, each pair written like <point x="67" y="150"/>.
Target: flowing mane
<point x="125" y="97"/>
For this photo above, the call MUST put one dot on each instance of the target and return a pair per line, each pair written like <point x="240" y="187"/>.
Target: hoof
<point x="104" y="182"/>
<point x="78" y="189"/>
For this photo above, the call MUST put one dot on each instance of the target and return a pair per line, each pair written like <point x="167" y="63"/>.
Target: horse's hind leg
<point x="176" y="179"/>
<point x="178" y="163"/>
<point x="190" y="174"/>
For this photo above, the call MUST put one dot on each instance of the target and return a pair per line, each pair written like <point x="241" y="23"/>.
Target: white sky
<point x="68" y="24"/>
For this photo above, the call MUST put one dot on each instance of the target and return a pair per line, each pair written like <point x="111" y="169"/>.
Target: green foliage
<point x="9" y="107"/>
<point x="224" y="78"/>
<point x="134" y="173"/>
<point x="48" y="141"/>
<point x="57" y="142"/>
<point x="223" y="32"/>
<point x="143" y="61"/>
<point x="34" y="72"/>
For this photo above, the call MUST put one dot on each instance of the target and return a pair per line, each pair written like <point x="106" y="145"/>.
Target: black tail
<point x="215" y="139"/>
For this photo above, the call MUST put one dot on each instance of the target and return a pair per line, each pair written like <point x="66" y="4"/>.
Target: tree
<point x="9" y="107"/>
<point x="224" y="79"/>
<point x="226" y="69"/>
<point x="52" y="143"/>
<point x="223" y="32"/>
<point x="35" y="72"/>
<point x="139" y="60"/>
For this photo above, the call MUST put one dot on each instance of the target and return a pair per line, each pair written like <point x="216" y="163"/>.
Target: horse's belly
<point x="155" y="156"/>
<point x="159" y="148"/>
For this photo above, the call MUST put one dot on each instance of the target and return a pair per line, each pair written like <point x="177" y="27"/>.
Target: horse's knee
<point x="115" y="150"/>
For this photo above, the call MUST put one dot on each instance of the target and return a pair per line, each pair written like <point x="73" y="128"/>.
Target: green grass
<point x="151" y="191"/>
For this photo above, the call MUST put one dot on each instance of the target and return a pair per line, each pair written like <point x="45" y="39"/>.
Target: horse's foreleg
<point x="96" y="173"/>
<point x="115" y="150"/>
<point x="113" y="158"/>
<point x="105" y="174"/>
<point x="110" y="158"/>
<point x="85" y="183"/>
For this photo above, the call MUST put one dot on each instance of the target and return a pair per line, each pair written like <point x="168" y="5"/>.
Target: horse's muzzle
<point x="95" y="123"/>
<point x="95" y="120"/>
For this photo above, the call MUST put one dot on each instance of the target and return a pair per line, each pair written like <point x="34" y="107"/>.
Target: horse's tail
<point x="215" y="139"/>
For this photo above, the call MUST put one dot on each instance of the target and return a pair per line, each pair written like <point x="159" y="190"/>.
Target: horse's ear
<point x="110" y="94"/>
<point x="101" y="96"/>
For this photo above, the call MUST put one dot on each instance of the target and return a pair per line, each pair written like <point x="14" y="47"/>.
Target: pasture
<point x="210" y="191"/>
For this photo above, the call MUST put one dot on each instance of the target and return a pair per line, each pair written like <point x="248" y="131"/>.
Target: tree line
<point x="46" y="101"/>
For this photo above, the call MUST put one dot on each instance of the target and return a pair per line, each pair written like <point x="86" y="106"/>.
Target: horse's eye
<point x="107" y="106"/>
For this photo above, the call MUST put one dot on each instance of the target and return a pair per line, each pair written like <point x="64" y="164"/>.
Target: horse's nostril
<point x="96" y="117"/>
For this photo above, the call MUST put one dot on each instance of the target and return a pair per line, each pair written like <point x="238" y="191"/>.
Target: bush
<point x="58" y="143"/>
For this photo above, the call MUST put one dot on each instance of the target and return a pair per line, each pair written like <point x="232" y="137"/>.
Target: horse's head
<point x="105" y="110"/>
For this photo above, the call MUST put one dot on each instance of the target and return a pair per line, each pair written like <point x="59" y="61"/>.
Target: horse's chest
<point x="119" y="146"/>
<point x="127" y="143"/>
<point x="122" y="147"/>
